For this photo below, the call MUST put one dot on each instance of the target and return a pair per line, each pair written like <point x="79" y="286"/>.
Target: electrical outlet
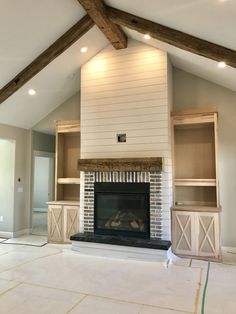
<point x="1" y="218"/>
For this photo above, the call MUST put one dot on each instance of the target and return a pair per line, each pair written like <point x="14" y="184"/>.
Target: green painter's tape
<point x="205" y="288"/>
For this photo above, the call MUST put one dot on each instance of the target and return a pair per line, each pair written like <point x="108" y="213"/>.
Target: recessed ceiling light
<point x="221" y="64"/>
<point x="84" y="49"/>
<point x="147" y="36"/>
<point x="31" y="92"/>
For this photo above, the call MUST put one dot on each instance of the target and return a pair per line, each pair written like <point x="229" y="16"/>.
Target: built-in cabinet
<point x="196" y="208"/>
<point x="63" y="221"/>
<point x="196" y="233"/>
<point x="63" y="213"/>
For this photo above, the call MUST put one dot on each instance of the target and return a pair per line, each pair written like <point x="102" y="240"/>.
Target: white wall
<point x="125" y="91"/>
<point x="193" y="92"/>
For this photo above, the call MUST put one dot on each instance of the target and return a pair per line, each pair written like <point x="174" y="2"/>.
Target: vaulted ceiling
<point x="29" y="27"/>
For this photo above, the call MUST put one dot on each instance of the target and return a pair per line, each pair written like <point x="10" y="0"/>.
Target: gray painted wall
<point x="69" y="110"/>
<point x="43" y="142"/>
<point x="193" y="92"/>
<point x="21" y="216"/>
<point x="20" y="219"/>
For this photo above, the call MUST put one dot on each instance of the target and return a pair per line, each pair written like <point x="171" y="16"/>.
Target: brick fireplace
<point x="155" y="201"/>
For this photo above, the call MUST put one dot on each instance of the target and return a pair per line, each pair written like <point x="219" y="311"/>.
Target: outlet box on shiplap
<point x="128" y="91"/>
<point x="125" y="92"/>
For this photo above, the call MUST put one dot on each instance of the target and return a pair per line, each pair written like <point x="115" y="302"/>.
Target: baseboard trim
<point x="7" y="235"/>
<point x="228" y="248"/>
<point x="21" y="232"/>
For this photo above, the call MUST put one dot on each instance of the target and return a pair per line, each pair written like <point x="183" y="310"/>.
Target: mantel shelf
<point x="195" y="182"/>
<point x="121" y="164"/>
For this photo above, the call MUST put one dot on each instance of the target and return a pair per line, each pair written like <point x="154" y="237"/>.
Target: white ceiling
<point x="28" y="27"/>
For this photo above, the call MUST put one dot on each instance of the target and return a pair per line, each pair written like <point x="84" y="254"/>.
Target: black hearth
<point x="122" y="209"/>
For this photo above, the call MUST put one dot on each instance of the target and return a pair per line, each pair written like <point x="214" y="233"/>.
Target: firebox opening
<point x="122" y="209"/>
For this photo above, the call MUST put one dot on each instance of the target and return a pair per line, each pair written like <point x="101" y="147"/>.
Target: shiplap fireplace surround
<point x="127" y="92"/>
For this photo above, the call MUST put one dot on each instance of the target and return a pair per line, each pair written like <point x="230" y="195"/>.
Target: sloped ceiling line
<point x="173" y="37"/>
<point x="162" y="33"/>
<point x="53" y="51"/>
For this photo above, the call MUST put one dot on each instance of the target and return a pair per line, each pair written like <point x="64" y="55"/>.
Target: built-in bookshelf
<point x="195" y="212"/>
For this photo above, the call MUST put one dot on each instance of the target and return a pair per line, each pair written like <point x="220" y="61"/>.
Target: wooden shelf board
<point x="67" y="126"/>
<point x="195" y="182"/>
<point x="196" y="208"/>
<point x="68" y="180"/>
<point x="64" y="202"/>
<point x="200" y="111"/>
<point x="191" y="120"/>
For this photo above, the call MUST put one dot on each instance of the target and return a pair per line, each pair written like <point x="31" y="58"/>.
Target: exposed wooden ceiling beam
<point x="96" y="9"/>
<point x="173" y="37"/>
<point x="57" y="48"/>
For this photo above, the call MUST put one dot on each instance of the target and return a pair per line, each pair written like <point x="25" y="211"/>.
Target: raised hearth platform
<point x="126" y="241"/>
<point x="122" y="247"/>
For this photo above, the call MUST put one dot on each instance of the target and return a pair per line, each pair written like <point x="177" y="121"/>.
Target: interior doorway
<point x="43" y="190"/>
<point x="7" y="178"/>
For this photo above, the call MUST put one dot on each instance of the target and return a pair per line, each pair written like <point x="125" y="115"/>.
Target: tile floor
<point x="52" y="279"/>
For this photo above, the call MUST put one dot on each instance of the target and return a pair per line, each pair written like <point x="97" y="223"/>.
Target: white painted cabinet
<point x="63" y="221"/>
<point x="196" y="233"/>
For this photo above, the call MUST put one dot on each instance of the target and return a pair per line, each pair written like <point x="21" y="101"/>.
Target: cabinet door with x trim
<point x="183" y="233"/>
<point x="196" y="233"/>
<point x="207" y="225"/>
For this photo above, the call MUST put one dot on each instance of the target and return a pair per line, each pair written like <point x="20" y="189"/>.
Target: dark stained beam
<point x="96" y="9"/>
<point x="57" y="48"/>
<point x="173" y="37"/>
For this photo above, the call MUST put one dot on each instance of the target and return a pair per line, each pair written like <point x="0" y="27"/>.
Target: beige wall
<point x="69" y="110"/>
<point x="193" y="92"/>
<point x="21" y="215"/>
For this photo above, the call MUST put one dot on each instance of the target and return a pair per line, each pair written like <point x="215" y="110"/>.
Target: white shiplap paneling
<point x="125" y="91"/>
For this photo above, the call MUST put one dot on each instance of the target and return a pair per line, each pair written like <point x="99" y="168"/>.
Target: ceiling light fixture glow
<point x="31" y="92"/>
<point x="147" y="36"/>
<point x="84" y="49"/>
<point x="221" y="64"/>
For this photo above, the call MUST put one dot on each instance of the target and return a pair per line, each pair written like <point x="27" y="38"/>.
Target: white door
<point x="43" y="187"/>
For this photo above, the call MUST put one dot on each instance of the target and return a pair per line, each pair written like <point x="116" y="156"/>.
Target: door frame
<point x="38" y="153"/>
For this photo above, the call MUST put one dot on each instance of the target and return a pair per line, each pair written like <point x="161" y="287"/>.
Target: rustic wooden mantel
<point x="121" y="164"/>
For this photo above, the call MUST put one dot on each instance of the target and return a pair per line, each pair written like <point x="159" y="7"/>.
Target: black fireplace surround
<point x="122" y="209"/>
